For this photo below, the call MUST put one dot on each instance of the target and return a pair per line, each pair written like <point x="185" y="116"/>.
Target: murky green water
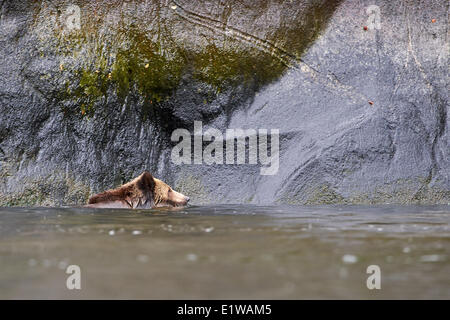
<point x="231" y="251"/>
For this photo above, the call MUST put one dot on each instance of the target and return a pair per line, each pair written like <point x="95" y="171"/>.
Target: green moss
<point x="77" y="191"/>
<point x="136" y="65"/>
<point x="133" y="58"/>
<point x="224" y="67"/>
<point x="93" y="85"/>
<point x="152" y="69"/>
<point x="149" y="67"/>
<point x="324" y="194"/>
<point x="54" y="189"/>
<point x="402" y="192"/>
<point x="31" y="196"/>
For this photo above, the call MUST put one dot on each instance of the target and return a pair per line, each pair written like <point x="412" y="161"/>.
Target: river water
<point x="227" y="251"/>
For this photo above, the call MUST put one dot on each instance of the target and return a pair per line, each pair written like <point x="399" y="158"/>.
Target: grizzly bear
<point x="144" y="192"/>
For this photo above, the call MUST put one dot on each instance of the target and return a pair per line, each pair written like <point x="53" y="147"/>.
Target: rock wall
<point x="89" y="98"/>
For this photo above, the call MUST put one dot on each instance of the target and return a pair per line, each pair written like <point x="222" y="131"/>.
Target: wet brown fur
<point x="144" y="191"/>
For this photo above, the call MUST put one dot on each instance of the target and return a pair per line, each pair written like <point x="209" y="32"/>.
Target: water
<point x="229" y="251"/>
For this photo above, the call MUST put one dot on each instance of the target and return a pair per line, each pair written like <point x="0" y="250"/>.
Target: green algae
<point x="151" y="68"/>
<point x="54" y="188"/>
<point x="118" y="53"/>
<point x="131" y="63"/>
<point x="401" y="191"/>
<point x="223" y="67"/>
<point x="51" y="190"/>
<point x="153" y="72"/>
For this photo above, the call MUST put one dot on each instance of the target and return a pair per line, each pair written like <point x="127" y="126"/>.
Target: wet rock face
<point x="90" y="92"/>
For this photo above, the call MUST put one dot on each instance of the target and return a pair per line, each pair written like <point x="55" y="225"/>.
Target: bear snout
<point x="178" y="198"/>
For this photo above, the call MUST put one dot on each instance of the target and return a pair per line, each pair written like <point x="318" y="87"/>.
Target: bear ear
<point x="146" y="182"/>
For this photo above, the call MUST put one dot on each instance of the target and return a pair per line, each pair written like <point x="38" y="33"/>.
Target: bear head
<point x="144" y="192"/>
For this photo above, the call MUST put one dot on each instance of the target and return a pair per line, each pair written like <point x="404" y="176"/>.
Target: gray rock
<point x="83" y="110"/>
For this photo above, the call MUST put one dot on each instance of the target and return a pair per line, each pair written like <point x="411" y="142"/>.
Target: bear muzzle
<point x="178" y="199"/>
